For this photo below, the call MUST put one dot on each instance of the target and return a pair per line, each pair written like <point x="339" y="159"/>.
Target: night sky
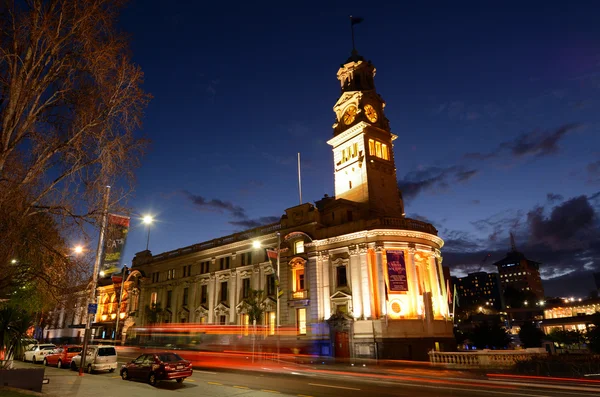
<point x="496" y="106"/>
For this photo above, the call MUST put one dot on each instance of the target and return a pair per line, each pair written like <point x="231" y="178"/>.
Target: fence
<point x="483" y="358"/>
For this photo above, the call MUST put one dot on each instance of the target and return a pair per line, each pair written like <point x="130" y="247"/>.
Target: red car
<point x="61" y="356"/>
<point x="155" y="367"/>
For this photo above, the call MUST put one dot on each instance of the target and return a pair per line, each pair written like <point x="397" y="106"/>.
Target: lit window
<point x="378" y="149"/>
<point x="301" y="316"/>
<point x="153" y="298"/>
<point x="355" y="151"/>
<point x="245" y="321"/>
<point x="271" y="318"/>
<point x="384" y="152"/>
<point x="371" y="147"/>
<point x="299" y="246"/>
<point x="298" y="280"/>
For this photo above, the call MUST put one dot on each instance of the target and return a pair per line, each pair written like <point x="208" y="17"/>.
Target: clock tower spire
<point x="364" y="167"/>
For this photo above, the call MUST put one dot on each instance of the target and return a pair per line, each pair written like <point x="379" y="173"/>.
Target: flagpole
<point x="92" y="298"/>
<point x="299" y="180"/>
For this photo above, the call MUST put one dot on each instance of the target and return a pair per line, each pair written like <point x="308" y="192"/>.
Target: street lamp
<point x="14" y="261"/>
<point x="78" y="249"/>
<point x="148" y="220"/>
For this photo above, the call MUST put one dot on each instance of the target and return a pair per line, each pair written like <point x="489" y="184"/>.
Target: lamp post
<point x="147" y="220"/>
<point x="123" y="275"/>
<point x="92" y="297"/>
<point x="256" y="244"/>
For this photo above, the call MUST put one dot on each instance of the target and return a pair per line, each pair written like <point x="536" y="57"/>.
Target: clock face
<point x="371" y="113"/>
<point x="349" y="115"/>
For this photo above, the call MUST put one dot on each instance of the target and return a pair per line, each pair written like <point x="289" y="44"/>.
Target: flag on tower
<point x="355" y="20"/>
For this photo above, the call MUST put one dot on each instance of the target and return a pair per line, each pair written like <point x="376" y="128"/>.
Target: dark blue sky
<point x="496" y="105"/>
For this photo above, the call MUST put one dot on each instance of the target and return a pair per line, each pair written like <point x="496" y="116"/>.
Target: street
<point x="302" y="382"/>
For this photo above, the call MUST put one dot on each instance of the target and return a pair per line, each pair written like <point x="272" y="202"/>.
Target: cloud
<point x="237" y="212"/>
<point x="536" y="143"/>
<point x="432" y="178"/>
<point x="218" y="205"/>
<point x="553" y="198"/>
<point x="252" y="223"/>
<point x="564" y="236"/>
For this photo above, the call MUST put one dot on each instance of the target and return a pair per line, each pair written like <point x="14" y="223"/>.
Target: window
<point x="187" y="271"/>
<point x="271" y="285"/>
<point x="342" y="279"/>
<point x="371" y="147"/>
<point x="245" y="287"/>
<point x="224" y="263"/>
<point x="155" y="277"/>
<point x="298" y="280"/>
<point x="384" y="152"/>
<point x="169" y="299"/>
<point x="247" y="258"/>
<point x="204" y="294"/>
<point x="379" y="149"/>
<point x="185" y="296"/>
<point x="244" y="321"/>
<point x="301" y="319"/>
<point x="224" y="291"/>
<point x="299" y="247"/>
<point x="271" y="319"/>
<point x="204" y="267"/>
<point x="222" y="320"/>
<point x="171" y="274"/>
<point x="153" y="298"/>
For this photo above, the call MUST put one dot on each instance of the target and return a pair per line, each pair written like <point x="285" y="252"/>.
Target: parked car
<point x="38" y="352"/>
<point x="61" y="356"/>
<point x="98" y="358"/>
<point x="155" y="367"/>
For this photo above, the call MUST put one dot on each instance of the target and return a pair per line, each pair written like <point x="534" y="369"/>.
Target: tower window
<point x="350" y="184"/>
<point x="378" y="149"/>
<point x="384" y="152"/>
<point x="371" y="147"/>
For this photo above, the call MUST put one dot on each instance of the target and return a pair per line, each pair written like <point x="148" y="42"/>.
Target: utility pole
<point x="92" y="298"/>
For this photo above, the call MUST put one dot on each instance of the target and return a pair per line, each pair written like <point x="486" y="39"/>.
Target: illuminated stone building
<point x="571" y="315"/>
<point x="359" y="278"/>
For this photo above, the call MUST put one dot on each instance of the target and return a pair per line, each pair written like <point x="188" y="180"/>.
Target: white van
<point x="98" y="358"/>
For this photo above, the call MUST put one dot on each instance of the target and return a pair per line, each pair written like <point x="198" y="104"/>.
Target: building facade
<point x="520" y="273"/>
<point x="479" y="289"/>
<point x="359" y="279"/>
<point x="570" y="315"/>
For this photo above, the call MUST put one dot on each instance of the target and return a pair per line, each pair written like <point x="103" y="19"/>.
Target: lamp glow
<point x="13" y="261"/>
<point x="256" y="244"/>
<point x="78" y="249"/>
<point x="147" y="219"/>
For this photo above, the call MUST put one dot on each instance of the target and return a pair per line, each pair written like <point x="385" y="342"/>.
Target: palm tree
<point x="14" y="324"/>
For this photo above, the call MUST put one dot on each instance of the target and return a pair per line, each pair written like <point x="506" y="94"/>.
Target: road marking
<point x="334" y="387"/>
<point x="270" y="391"/>
<point x="215" y="383"/>
<point x="190" y="380"/>
<point x="241" y="387"/>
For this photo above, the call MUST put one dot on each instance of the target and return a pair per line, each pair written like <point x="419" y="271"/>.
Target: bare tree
<point x="70" y="102"/>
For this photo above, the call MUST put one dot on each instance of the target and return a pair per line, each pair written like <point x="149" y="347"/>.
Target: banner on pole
<point x="114" y="244"/>
<point x="396" y="271"/>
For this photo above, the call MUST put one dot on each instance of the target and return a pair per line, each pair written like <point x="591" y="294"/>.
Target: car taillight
<point x="189" y="364"/>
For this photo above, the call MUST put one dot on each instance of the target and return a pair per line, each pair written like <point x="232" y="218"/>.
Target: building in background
<point x="520" y="273"/>
<point x="570" y="315"/>
<point x="359" y="279"/>
<point x="479" y="289"/>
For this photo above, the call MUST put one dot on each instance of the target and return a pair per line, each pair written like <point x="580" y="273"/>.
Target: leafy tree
<point x="254" y="305"/>
<point x="154" y="313"/>
<point x="593" y="334"/>
<point x="70" y="101"/>
<point x="489" y="335"/>
<point x="14" y="324"/>
<point x="566" y="338"/>
<point x="530" y="335"/>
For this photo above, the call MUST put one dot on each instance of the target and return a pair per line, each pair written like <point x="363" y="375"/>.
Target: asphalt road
<point x="299" y="384"/>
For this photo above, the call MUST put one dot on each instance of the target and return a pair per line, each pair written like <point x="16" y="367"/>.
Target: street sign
<point x="92" y="308"/>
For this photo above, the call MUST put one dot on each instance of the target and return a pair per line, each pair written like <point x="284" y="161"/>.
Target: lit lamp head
<point x="13" y="261"/>
<point x="102" y="273"/>
<point x="256" y="244"/>
<point x="78" y="249"/>
<point x="147" y="220"/>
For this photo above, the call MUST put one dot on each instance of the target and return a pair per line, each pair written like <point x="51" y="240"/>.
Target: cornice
<point x="378" y="233"/>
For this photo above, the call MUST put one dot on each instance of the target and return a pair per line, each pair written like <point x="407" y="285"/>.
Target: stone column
<point x="414" y="285"/>
<point x="212" y="298"/>
<point x="355" y="282"/>
<point x="319" y="280"/>
<point x="364" y="278"/>
<point x="435" y="285"/>
<point x="326" y="281"/>
<point x="192" y="304"/>
<point x="380" y="280"/>
<point x="256" y="278"/>
<point x="232" y="296"/>
<point x="313" y="309"/>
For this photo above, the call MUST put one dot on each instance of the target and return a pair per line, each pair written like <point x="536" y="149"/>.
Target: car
<point x="98" y="358"/>
<point x="28" y="343"/>
<point x="38" y="352"/>
<point x="61" y="356"/>
<point x="155" y="367"/>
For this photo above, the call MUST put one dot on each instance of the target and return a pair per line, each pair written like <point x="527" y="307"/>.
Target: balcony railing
<point x="299" y="294"/>
<point x="482" y="358"/>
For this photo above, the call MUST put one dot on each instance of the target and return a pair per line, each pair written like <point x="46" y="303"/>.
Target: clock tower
<point x="363" y="158"/>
